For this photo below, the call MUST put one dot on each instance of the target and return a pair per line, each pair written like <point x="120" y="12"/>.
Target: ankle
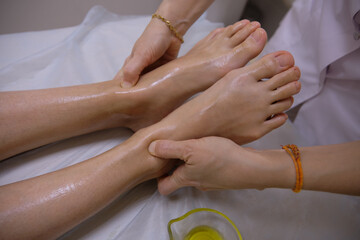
<point x="121" y="104"/>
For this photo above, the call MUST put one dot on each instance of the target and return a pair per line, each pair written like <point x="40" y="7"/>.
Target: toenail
<point x="242" y="23"/>
<point x="284" y="60"/>
<point x="255" y="24"/>
<point x="257" y="35"/>
<point x="297" y="72"/>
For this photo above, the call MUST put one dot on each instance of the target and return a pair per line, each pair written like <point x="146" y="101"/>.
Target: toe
<point x="270" y="65"/>
<point x="283" y="78"/>
<point x="238" y="26"/>
<point x="251" y="47"/>
<point x="281" y="106"/>
<point x="276" y="121"/>
<point x="240" y="35"/>
<point x="214" y="33"/>
<point x="286" y="91"/>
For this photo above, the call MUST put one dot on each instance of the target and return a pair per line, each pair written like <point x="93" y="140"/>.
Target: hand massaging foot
<point x="221" y="51"/>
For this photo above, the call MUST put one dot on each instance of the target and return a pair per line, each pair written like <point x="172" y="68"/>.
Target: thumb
<point x="129" y="74"/>
<point x="168" y="149"/>
<point x="171" y="150"/>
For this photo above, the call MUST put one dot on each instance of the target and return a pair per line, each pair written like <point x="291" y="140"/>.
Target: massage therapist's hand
<point x="214" y="163"/>
<point x="155" y="47"/>
<point x="158" y="45"/>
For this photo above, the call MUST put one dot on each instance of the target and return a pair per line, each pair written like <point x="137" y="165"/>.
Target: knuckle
<point x="188" y="150"/>
<point x="270" y="63"/>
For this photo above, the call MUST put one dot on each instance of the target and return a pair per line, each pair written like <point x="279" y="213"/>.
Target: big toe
<point x="270" y="65"/>
<point x="251" y="47"/>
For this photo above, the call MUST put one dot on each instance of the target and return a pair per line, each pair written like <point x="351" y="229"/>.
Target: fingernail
<point x="125" y="84"/>
<point x="257" y="35"/>
<point x="283" y="60"/>
<point x="151" y="148"/>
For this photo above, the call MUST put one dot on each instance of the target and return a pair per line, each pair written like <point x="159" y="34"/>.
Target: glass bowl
<point x="203" y="224"/>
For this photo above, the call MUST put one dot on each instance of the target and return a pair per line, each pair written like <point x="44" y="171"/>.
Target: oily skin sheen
<point x="29" y="119"/>
<point x="49" y="205"/>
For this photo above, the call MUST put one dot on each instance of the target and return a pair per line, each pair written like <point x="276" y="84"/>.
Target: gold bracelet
<point x="294" y="152"/>
<point x="172" y="29"/>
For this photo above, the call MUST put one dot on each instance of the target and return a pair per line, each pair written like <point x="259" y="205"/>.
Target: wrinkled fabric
<point x="321" y="36"/>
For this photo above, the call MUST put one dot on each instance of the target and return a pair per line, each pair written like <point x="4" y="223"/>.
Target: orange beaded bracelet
<point x="294" y="152"/>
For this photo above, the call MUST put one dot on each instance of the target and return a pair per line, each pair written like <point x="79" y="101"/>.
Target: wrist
<point x="178" y="19"/>
<point x="160" y="27"/>
<point x="182" y="14"/>
<point x="262" y="169"/>
<point x="279" y="169"/>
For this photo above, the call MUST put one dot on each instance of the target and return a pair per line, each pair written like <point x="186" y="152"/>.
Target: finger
<point x="169" y="149"/>
<point x="169" y="184"/>
<point x="131" y="71"/>
<point x="119" y="75"/>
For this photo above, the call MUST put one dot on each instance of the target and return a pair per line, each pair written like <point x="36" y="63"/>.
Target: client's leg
<point x="29" y="119"/>
<point x="236" y="107"/>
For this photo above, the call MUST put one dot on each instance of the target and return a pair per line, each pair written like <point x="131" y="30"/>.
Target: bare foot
<point x="240" y="106"/>
<point x="162" y="90"/>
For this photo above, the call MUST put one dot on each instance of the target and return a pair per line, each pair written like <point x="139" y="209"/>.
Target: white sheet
<point x="93" y="52"/>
